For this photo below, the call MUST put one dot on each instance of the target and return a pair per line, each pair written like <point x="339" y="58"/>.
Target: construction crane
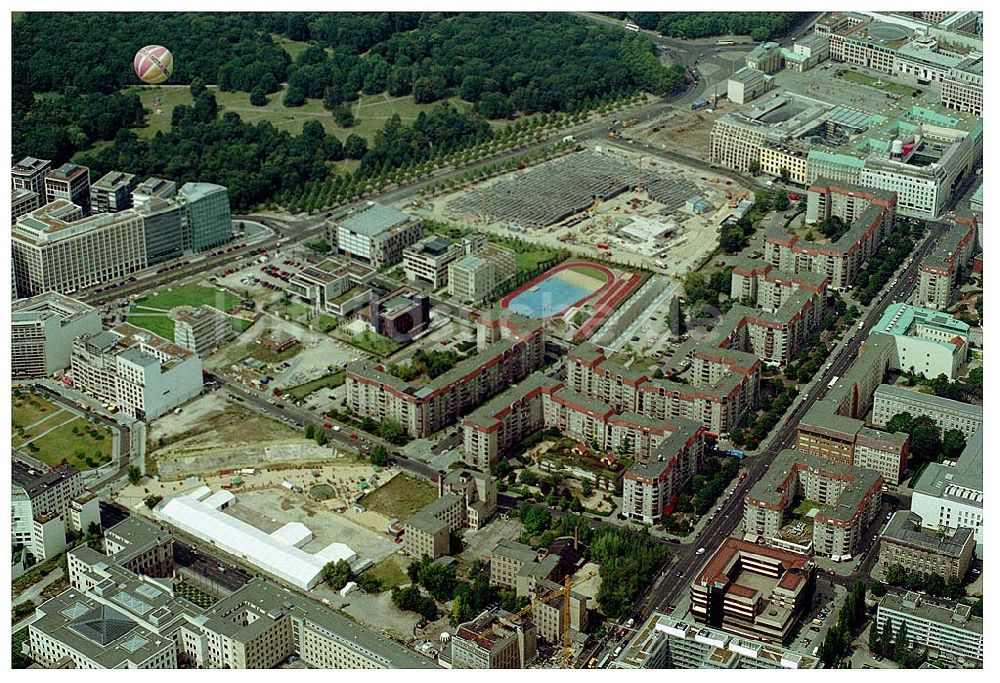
<point x="568" y="585"/>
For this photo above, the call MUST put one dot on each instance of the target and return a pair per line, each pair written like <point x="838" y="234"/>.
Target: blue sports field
<point x="549" y="297"/>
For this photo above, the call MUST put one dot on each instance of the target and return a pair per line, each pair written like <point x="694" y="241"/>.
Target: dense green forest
<point x="758" y="25"/>
<point x="506" y="65"/>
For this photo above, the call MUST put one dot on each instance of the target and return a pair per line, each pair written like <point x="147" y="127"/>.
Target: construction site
<point x="606" y="203"/>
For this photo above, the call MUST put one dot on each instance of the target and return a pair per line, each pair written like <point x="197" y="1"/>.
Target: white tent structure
<point x="275" y="554"/>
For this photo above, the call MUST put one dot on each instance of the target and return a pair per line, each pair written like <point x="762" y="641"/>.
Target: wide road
<point x="676" y="579"/>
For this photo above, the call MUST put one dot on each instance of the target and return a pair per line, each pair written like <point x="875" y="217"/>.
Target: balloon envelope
<point x="153" y="64"/>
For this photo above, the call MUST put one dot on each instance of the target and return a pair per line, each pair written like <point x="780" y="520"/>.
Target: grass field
<point x="390" y="573"/>
<point x="401" y="497"/>
<point x="374" y="343"/>
<point x="334" y="379"/>
<point x="590" y="272"/>
<point x="804" y="507"/>
<point x="83" y="450"/>
<point x="865" y="79"/>
<point x="151" y="312"/>
<point x="293" y="47"/>
<point x="529" y="260"/>
<point x="24" y="434"/>
<point x="370" y="111"/>
<point x="27" y="409"/>
<point x="325" y="323"/>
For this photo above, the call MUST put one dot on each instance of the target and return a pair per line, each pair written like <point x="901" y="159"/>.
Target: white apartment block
<point x="480" y="272"/>
<point x="650" y="490"/>
<point x="43" y="328"/>
<point x="142" y="374"/>
<point x="427" y="261"/>
<point x="55" y="249"/>
<point x="950" y="496"/>
<point x="40" y="502"/>
<point x="949" y="632"/>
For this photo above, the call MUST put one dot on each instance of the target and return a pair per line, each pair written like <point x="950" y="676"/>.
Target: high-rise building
<point x="207" y="221"/>
<point x="43" y="328"/>
<point x="112" y="192"/>
<point x="29" y="174"/>
<point x="23" y="201"/>
<point x="162" y="223"/>
<point x="56" y="249"/>
<point x="70" y="182"/>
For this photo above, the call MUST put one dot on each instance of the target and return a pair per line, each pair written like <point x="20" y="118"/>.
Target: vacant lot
<point x="374" y="343"/>
<point x="401" y="497"/>
<point x="391" y="572"/>
<point x="27" y="409"/>
<point x="334" y="379"/>
<point x="85" y="446"/>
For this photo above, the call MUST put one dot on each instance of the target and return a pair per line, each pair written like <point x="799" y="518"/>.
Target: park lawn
<point x="294" y="311"/>
<point x="27" y="409"/>
<point x="293" y="47"/>
<point x="241" y="325"/>
<point x="865" y="79"/>
<point x="76" y="448"/>
<point x="591" y="272"/>
<point x="401" y="497"/>
<point x="334" y="379"/>
<point x="389" y="572"/>
<point x="48" y="422"/>
<point x="370" y="111"/>
<point x="186" y="295"/>
<point x="161" y="325"/>
<point x="325" y="323"/>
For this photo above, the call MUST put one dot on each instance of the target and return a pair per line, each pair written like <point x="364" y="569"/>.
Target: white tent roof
<point x="337" y="551"/>
<point x="245" y="541"/>
<point x="218" y="499"/>
<point x="200" y="492"/>
<point x="294" y="533"/>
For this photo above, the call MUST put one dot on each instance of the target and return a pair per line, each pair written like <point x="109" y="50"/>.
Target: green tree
<point x="902" y="646"/>
<point x="535" y="519"/>
<point x="337" y="574"/>
<point x="355" y="146"/>
<point x="528" y="478"/>
<point x="369" y="584"/>
<point x="134" y="475"/>
<point x="885" y="638"/>
<point x="380" y="456"/>
<point x="152" y="501"/>
<point x="257" y="97"/>
<point x="874" y="644"/>
<point x="953" y="443"/>
<point x="321" y="437"/>
<point x="391" y="431"/>
<point x="294" y="97"/>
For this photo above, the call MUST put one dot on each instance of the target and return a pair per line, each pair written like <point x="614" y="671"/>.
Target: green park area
<point x="374" y="343"/>
<point x="86" y="446"/>
<point x="865" y="79"/>
<point x="389" y="573"/>
<point x="370" y="111"/>
<point x="401" y="497"/>
<point x="152" y="312"/>
<point x="27" y="409"/>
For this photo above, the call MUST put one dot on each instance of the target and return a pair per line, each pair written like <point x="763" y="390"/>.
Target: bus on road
<point x="832" y="382"/>
<point x="725" y="42"/>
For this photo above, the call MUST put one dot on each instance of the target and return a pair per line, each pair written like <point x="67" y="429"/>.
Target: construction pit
<point x="610" y="204"/>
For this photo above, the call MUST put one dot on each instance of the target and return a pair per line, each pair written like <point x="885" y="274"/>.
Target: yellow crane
<point x="568" y="585"/>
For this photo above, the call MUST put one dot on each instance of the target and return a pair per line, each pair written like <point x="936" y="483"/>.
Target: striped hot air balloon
<point x="153" y="64"/>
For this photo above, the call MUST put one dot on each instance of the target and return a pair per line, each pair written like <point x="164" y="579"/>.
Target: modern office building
<point x="375" y="236"/>
<point x="494" y="640"/>
<point x="948" y="632"/>
<point x="848" y="498"/>
<point x="153" y="188"/>
<point x="401" y="314"/>
<point x="23" y="201"/>
<point x="69" y="182"/>
<point x="201" y="330"/>
<point x="943" y="268"/>
<point x="834" y="427"/>
<point x="753" y="591"/>
<point x="29" y="174"/>
<point x="516" y="348"/>
<point x="664" y="642"/>
<point x="163" y="226"/>
<point x="40" y="503"/>
<point x="927" y="342"/>
<point x="906" y="543"/>
<point x="56" y="249"/>
<point x="891" y="400"/>
<point x="333" y="286"/>
<point x="426" y="261"/>
<point x="142" y="374"/>
<point x="479" y="273"/>
<point x="112" y="192"/>
<point x="950" y="495"/>
<point x="206" y="219"/>
<point x="42" y="331"/>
